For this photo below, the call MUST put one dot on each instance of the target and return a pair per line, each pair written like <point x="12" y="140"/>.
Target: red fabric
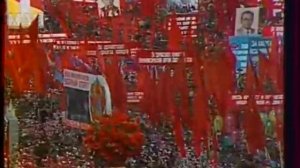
<point x="167" y="88"/>
<point x="34" y="31"/>
<point x="116" y="85"/>
<point x="37" y="4"/>
<point x="79" y="14"/>
<point x="275" y="65"/>
<point x="123" y="4"/>
<point x="267" y="31"/>
<point x="280" y="71"/>
<point x="25" y="62"/>
<point x="254" y="132"/>
<point x="263" y="71"/>
<point x="219" y="8"/>
<point x="153" y="102"/>
<point x="144" y="84"/>
<point x="231" y="7"/>
<point x="210" y="78"/>
<point x="200" y="119"/>
<point x="148" y="7"/>
<point x="174" y="35"/>
<point x="163" y="89"/>
<point x="269" y="6"/>
<point x="226" y="81"/>
<point x="59" y="12"/>
<point x="179" y="135"/>
<point x="250" y="80"/>
<point x="183" y="90"/>
<point x="251" y="3"/>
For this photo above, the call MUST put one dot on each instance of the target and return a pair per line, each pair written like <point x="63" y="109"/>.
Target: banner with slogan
<point x="187" y="23"/>
<point x="88" y="96"/>
<point x="261" y="100"/>
<point x="42" y="38"/>
<point x="113" y="49"/>
<point x="134" y="97"/>
<point x="161" y="57"/>
<point x="247" y="49"/>
<point x="67" y="45"/>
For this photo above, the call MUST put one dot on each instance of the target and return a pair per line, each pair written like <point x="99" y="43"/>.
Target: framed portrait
<point x="109" y="8"/>
<point x="247" y="21"/>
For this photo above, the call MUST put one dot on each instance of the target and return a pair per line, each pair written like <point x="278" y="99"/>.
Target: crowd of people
<point x="45" y="140"/>
<point x="48" y="142"/>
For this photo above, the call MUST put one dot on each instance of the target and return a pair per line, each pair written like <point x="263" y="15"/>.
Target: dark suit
<point x="245" y="32"/>
<point x="110" y="11"/>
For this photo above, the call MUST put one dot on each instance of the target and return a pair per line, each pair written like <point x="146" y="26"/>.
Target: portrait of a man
<point x="109" y="8"/>
<point x="246" y="21"/>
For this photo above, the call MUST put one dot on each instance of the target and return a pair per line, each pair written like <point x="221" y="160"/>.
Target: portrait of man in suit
<point x="246" y="22"/>
<point x="109" y="8"/>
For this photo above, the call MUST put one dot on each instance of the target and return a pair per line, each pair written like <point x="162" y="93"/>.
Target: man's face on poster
<point x="108" y="2"/>
<point x="247" y="20"/>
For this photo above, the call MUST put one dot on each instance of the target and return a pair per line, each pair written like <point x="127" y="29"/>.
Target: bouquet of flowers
<point x="114" y="138"/>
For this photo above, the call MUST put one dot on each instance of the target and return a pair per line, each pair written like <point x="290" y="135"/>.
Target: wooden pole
<point x="281" y="155"/>
<point x="267" y="153"/>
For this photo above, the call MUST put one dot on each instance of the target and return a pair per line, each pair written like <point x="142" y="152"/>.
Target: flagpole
<point x="217" y="151"/>
<point x="281" y="155"/>
<point x="267" y="154"/>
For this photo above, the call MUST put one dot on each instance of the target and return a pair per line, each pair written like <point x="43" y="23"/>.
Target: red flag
<point x="148" y="7"/>
<point x="163" y="89"/>
<point x="179" y="135"/>
<point x="149" y="103"/>
<point x="59" y="12"/>
<point x="267" y="31"/>
<point x="251" y="3"/>
<point x="274" y="67"/>
<point x="123" y="4"/>
<point x="225" y="69"/>
<point x="182" y="89"/>
<point x="200" y="119"/>
<point x="210" y="77"/>
<point x="34" y="31"/>
<point x="116" y="85"/>
<point x="174" y="35"/>
<point x="153" y="102"/>
<point x="263" y="70"/>
<point x="219" y="8"/>
<point x="37" y="4"/>
<point x="254" y="132"/>
<point x="170" y="94"/>
<point x="269" y="6"/>
<point x="280" y="71"/>
<point x="231" y="7"/>
<point x="250" y="83"/>
<point x="145" y="85"/>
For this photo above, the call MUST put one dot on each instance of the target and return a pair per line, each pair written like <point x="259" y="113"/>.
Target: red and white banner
<point x="134" y="97"/>
<point x="261" y="100"/>
<point x="164" y="57"/>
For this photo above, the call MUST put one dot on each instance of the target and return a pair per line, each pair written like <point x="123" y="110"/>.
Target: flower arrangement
<point x="114" y="138"/>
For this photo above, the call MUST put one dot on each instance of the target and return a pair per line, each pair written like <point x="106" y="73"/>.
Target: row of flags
<point x="168" y="97"/>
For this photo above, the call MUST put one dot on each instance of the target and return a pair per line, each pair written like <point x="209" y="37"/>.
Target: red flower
<point x="115" y="138"/>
